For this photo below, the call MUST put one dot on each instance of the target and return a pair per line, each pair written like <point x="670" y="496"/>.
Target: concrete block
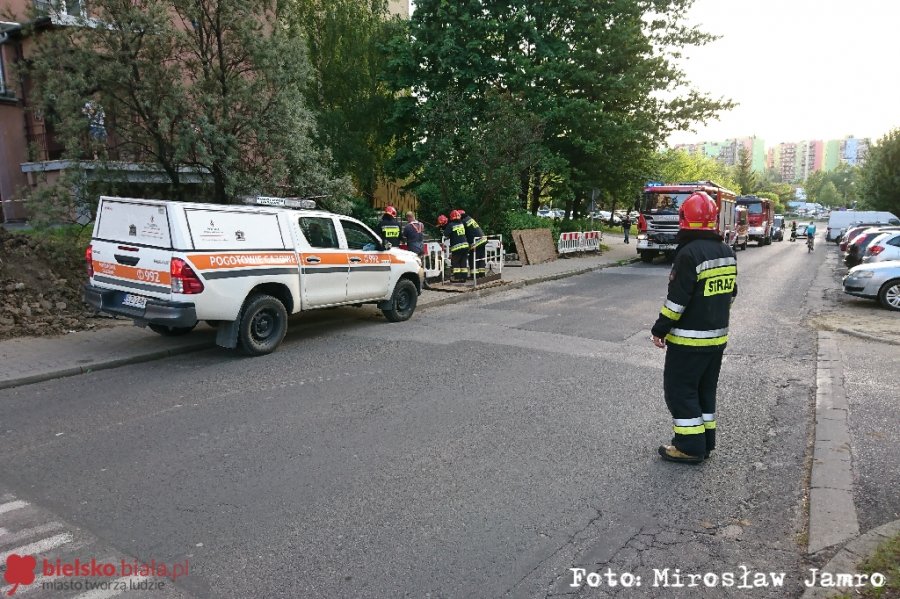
<point x="832" y="518"/>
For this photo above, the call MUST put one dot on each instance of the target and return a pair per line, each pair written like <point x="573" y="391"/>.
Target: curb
<point x="847" y="560"/>
<point x="104" y="365"/>
<point x="866" y="336"/>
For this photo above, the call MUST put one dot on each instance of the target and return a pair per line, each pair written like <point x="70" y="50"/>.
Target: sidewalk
<point x="29" y="360"/>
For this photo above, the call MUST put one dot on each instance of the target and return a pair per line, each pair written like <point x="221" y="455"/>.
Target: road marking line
<point x="18" y="537"/>
<point x="39" y="546"/>
<point x="12" y="505"/>
<point x="112" y="592"/>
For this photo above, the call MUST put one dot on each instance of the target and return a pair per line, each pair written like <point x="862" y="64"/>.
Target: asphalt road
<point x="480" y="450"/>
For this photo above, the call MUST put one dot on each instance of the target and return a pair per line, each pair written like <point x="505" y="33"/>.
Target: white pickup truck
<point x="242" y="268"/>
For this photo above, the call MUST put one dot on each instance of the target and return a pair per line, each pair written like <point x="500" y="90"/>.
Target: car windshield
<point x="663" y="202"/>
<point x="755" y="208"/>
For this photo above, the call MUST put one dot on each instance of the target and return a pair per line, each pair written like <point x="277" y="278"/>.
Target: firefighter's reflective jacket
<point x="390" y="229"/>
<point x="455" y="231"/>
<point x="702" y="285"/>
<point x="474" y="233"/>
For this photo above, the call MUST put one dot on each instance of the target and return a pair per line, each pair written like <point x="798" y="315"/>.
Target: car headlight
<point x="642" y="236"/>
<point x="862" y="274"/>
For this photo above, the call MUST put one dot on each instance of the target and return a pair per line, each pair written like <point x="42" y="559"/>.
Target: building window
<point x="62" y="11"/>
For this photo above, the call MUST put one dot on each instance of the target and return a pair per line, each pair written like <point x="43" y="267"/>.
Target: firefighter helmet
<point x="391" y="211"/>
<point x="698" y="213"/>
<point x="455" y="215"/>
<point x="442" y="220"/>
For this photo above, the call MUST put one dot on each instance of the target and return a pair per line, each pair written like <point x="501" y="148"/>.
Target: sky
<point x="800" y="69"/>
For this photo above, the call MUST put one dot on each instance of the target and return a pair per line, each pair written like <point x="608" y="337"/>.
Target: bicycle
<point x="810" y="240"/>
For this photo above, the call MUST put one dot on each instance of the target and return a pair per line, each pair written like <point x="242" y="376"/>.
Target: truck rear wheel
<point x="647" y="256"/>
<point x="263" y="325"/>
<point x="167" y="331"/>
<point x="403" y="301"/>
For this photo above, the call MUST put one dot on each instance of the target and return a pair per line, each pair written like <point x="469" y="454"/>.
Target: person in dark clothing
<point x="389" y="226"/>
<point x="477" y="244"/>
<point x="455" y="231"/>
<point x="626" y="226"/>
<point x="693" y="329"/>
<point x="414" y="235"/>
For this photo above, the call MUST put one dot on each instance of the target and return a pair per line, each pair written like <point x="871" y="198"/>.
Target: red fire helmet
<point x="698" y="213"/>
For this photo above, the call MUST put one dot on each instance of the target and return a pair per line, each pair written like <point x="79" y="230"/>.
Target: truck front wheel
<point x="647" y="256"/>
<point x="402" y="302"/>
<point x="263" y="325"/>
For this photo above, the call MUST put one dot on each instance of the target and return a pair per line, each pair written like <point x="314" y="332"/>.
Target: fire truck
<point x="658" y="216"/>
<point x="760" y="218"/>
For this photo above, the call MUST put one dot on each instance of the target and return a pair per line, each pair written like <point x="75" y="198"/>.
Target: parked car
<point x="879" y="281"/>
<point x="847" y="238"/>
<point x="778" y="227"/>
<point x="616" y="220"/>
<point x="883" y="248"/>
<point x="857" y="248"/>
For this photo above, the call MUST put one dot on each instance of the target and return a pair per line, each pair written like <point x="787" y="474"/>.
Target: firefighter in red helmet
<point x="693" y="329"/>
<point x="389" y="226"/>
<point x="455" y="231"/>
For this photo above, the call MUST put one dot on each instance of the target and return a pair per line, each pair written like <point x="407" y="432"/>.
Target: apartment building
<point x="795" y="161"/>
<point x="728" y="151"/>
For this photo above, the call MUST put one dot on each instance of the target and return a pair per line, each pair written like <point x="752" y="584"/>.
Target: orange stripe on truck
<point x="132" y="273"/>
<point x="242" y="260"/>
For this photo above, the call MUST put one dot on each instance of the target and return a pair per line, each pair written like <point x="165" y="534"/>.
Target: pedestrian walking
<point x="693" y="329"/>
<point x="626" y="226"/>
<point x="455" y="231"/>
<point x="389" y="226"/>
<point x="477" y="244"/>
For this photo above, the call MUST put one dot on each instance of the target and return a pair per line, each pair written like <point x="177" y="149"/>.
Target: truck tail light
<point x="642" y="223"/>
<point x="89" y="259"/>
<point x="184" y="279"/>
<point x="875" y="250"/>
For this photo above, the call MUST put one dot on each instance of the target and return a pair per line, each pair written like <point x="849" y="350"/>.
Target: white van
<point x="840" y="221"/>
<point x="242" y="268"/>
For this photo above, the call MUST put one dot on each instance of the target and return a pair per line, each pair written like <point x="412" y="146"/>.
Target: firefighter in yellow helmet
<point x="693" y="329"/>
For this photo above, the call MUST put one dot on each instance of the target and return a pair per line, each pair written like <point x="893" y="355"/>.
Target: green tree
<point x="673" y="166"/>
<point x="829" y="195"/>
<point x="216" y="86"/>
<point x="747" y="180"/>
<point x="346" y="41"/>
<point x="880" y="174"/>
<point x="590" y="73"/>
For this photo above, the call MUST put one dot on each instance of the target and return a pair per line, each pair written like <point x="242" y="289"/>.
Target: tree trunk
<point x="535" y="191"/>
<point x="523" y="189"/>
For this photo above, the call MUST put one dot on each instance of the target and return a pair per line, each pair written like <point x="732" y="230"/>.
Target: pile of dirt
<point x="41" y="281"/>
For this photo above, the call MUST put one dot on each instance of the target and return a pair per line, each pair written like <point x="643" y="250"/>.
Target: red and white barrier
<point x="569" y="242"/>
<point x="588" y="241"/>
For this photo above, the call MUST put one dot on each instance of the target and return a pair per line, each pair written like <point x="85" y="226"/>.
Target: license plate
<point x="135" y="301"/>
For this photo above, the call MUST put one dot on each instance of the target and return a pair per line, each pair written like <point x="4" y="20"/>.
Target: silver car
<point x="877" y="280"/>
